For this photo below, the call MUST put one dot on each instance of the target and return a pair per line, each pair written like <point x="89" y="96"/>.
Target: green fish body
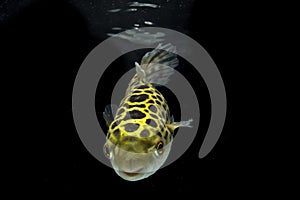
<point x="140" y="134"/>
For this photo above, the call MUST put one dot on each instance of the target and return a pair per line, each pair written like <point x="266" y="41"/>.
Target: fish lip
<point x="131" y="174"/>
<point x="134" y="173"/>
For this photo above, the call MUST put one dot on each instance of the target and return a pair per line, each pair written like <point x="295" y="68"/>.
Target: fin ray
<point x="157" y="65"/>
<point x="109" y="113"/>
<point x="175" y="125"/>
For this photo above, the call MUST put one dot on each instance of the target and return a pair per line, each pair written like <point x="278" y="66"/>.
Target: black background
<point x="43" y="44"/>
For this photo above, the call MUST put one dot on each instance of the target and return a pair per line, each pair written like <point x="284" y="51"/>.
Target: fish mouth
<point x="133" y="173"/>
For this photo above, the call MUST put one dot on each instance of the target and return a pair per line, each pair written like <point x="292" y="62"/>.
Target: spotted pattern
<point x="143" y="87"/>
<point x="151" y="122"/>
<point x="150" y="102"/>
<point x="116" y="133"/>
<point x="153" y="108"/>
<point x="136" y="114"/>
<point x="138" y="98"/>
<point x="148" y="91"/>
<point x="159" y="98"/>
<point x="130" y="127"/>
<point x="138" y="105"/>
<point x="142" y="116"/>
<point x="144" y="133"/>
<point x="154" y="116"/>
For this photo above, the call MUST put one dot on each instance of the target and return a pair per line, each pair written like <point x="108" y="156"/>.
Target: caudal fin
<point x="157" y="65"/>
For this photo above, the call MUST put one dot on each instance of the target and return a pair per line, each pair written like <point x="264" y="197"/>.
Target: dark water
<point x="44" y="43"/>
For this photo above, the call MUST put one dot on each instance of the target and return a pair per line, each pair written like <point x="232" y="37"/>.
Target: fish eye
<point x="107" y="151"/>
<point x="159" y="148"/>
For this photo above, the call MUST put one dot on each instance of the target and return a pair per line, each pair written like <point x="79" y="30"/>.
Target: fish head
<point x="137" y="159"/>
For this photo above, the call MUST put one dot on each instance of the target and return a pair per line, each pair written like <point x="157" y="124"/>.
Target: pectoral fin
<point x="109" y="113"/>
<point x="175" y="125"/>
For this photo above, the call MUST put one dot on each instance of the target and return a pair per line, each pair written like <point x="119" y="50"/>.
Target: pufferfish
<point x="140" y="134"/>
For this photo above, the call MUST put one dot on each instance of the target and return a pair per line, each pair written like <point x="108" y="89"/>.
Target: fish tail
<point x="157" y="65"/>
